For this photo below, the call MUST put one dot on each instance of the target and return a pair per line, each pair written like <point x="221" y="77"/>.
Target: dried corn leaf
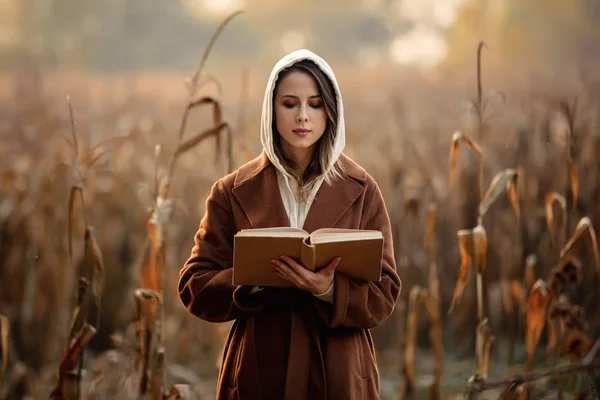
<point x="67" y="383"/>
<point x="512" y="191"/>
<point x="499" y="184"/>
<point x="465" y="246"/>
<point x="4" y="331"/>
<point x="98" y="262"/>
<point x="536" y="318"/>
<point x="455" y="150"/>
<point x="518" y="294"/>
<point x="150" y="277"/>
<point x="72" y="198"/>
<point x="549" y="201"/>
<point x="192" y="142"/>
<point x="430" y="230"/>
<point x="76" y="322"/>
<point x="153" y="264"/>
<point x="480" y="245"/>
<point x="584" y="225"/>
<point x="574" y="182"/>
<point x="70" y="358"/>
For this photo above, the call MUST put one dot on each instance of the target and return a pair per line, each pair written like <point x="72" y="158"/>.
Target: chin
<point x="300" y="142"/>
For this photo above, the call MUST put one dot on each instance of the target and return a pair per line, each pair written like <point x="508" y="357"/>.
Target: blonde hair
<point x="321" y="157"/>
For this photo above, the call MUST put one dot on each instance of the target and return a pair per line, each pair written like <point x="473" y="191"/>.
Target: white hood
<point x="266" y="132"/>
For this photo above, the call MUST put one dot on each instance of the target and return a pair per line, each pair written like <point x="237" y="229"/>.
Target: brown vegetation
<point x="89" y="264"/>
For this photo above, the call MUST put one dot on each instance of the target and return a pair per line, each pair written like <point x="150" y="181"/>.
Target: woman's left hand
<point x="303" y="278"/>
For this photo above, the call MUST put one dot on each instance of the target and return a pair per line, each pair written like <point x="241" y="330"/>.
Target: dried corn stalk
<point x="149" y="334"/>
<point x="409" y="375"/>
<point x="433" y="307"/>
<point x="98" y="263"/>
<point x="67" y="385"/>
<point x="484" y="340"/>
<point x="480" y="255"/>
<point x="4" y="331"/>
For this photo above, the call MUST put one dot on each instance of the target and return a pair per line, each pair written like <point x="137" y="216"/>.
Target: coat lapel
<point x="331" y="203"/>
<point x="257" y="192"/>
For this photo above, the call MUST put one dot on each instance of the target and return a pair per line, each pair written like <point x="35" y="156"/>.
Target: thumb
<point x="333" y="264"/>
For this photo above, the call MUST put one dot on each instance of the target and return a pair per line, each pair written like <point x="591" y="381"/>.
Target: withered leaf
<point x="584" y="225"/>
<point x="465" y="246"/>
<point x="430" y="229"/>
<point x="501" y="183"/>
<point x="455" y="150"/>
<point x="549" y="201"/>
<point x="574" y="182"/>
<point x="519" y="294"/>
<point x="194" y="141"/>
<point x="536" y="318"/>
<point x="98" y="262"/>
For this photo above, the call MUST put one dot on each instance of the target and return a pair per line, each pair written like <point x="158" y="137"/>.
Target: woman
<point x="311" y="341"/>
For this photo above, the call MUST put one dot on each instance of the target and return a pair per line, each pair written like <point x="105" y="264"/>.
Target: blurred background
<point x="408" y="73"/>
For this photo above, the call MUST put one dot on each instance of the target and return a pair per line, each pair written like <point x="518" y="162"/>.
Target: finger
<point x="286" y="272"/>
<point x="295" y="265"/>
<point x="303" y="273"/>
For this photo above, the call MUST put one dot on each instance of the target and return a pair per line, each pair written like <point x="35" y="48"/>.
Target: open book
<point x="360" y="251"/>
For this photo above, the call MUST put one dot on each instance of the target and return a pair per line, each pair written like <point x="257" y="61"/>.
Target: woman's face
<point x="300" y="114"/>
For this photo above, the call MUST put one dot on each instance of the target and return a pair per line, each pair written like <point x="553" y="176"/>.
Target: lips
<point x="301" y="132"/>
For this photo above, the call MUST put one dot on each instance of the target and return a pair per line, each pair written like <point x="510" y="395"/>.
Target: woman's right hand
<point x="303" y="278"/>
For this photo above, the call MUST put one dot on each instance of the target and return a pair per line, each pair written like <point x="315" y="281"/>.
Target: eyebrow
<point x="296" y="97"/>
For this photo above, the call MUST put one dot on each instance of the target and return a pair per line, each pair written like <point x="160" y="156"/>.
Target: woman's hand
<point x="301" y="277"/>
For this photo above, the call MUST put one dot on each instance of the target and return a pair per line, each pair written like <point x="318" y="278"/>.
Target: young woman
<point x="311" y="341"/>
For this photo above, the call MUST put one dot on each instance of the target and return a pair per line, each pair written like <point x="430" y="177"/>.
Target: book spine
<point x="308" y="255"/>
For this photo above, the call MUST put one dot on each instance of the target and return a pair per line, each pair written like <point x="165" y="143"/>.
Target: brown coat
<point x="285" y="343"/>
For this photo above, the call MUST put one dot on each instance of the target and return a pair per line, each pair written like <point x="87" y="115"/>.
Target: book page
<point x="284" y="231"/>
<point x="343" y="235"/>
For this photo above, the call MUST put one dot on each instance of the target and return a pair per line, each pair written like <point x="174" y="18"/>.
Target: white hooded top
<point x="295" y="210"/>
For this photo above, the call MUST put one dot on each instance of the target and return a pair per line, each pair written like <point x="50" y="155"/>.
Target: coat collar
<point x="256" y="190"/>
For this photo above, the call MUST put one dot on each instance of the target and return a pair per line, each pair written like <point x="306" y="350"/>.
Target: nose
<point x="302" y="115"/>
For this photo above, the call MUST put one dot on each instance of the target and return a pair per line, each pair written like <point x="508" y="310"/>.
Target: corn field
<point x="494" y="206"/>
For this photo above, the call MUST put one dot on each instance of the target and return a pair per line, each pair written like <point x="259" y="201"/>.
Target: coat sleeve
<point x="205" y="281"/>
<point x="360" y="304"/>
